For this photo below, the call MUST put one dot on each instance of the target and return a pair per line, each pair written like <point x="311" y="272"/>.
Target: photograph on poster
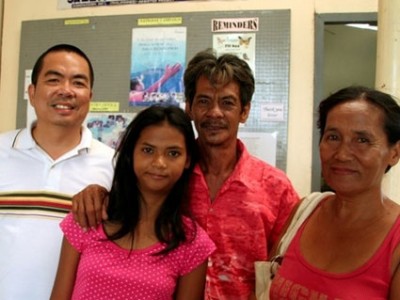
<point x="108" y="127"/>
<point x="158" y="58"/>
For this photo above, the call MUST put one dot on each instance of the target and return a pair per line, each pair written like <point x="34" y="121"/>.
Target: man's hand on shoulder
<point x="89" y="206"/>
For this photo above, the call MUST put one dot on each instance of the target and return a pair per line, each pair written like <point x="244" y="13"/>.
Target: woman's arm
<point x="66" y="273"/>
<point x="394" y="292"/>
<point x="191" y="285"/>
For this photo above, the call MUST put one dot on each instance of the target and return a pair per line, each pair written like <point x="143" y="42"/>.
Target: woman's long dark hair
<point x="125" y="199"/>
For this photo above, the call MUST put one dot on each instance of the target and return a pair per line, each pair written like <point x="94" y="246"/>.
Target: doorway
<point x="345" y="54"/>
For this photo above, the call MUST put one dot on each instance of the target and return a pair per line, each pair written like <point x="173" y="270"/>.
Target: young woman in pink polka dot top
<point x="149" y="248"/>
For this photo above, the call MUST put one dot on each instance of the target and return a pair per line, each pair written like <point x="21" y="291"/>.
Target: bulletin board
<point x="107" y="40"/>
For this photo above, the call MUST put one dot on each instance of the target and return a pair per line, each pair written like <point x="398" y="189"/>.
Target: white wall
<point x="301" y="57"/>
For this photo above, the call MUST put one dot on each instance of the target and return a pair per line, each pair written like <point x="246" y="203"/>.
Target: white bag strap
<point x="306" y="207"/>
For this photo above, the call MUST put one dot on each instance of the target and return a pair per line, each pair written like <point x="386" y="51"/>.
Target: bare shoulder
<point x="394" y="292"/>
<point x="394" y="209"/>
<point x="392" y="212"/>
<point x="395" y="206"/>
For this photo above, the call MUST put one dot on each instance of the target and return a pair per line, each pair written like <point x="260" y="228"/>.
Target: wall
<point x="301" y="60"/>
<point x="1" y="30"/>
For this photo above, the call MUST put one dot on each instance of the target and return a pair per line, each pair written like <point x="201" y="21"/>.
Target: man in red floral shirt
<point x="241" y="201"/>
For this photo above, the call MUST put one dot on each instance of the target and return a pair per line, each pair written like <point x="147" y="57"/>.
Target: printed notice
<point x="261" y="145"/>
<point x="272" y="112"/>
<point x="104" y="106"/>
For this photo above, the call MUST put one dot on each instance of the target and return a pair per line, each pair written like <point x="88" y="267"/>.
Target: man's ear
<point x="245" y="113"/>
<point x="31" y="94"/>
<point x="188" y="110"/>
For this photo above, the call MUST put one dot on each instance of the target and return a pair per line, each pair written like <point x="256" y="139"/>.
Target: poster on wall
<point x="240" y="44"/>
<point x="108" y="127"/>
<point x="66" y="4"/>
<point x="158" y="58"/>
<point x="236" y="36"/>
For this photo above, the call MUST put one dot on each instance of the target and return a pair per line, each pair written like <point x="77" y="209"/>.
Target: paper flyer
<point x="240" y="44"/>
<point x="261" y="144"/>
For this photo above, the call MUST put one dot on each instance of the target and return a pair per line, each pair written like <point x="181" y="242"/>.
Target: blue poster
<point x="157" y="65"/>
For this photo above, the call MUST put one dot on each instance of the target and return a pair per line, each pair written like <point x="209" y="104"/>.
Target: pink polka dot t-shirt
<point x="107" y="271"/>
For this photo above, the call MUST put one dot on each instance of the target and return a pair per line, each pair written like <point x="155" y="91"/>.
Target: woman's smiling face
<point x="354" y="148"/>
